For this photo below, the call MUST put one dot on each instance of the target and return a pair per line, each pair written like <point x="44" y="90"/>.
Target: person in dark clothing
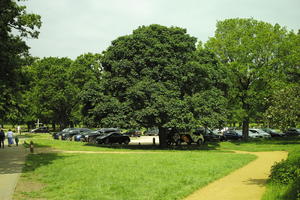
<point x="2" y="138"/>
<point x="17" y="141"/>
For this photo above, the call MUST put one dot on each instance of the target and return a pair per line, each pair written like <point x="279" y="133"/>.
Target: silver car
<point x="259" y="133"/>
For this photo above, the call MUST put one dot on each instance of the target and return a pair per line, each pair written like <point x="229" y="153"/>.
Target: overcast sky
<point x="73" y="27"/>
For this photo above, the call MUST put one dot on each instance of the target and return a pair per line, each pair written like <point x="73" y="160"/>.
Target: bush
<point x="287" y="172"/>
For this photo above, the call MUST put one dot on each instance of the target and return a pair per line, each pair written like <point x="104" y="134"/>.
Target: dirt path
<point x="12" y="160"/>
<point x="246" y="183"/>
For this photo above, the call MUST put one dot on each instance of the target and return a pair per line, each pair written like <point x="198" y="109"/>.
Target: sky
<point x="74" y="27"/>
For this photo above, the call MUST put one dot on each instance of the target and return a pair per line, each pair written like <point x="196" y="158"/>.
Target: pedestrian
<point x="19" y="129"/>
<point x="2" y="138"/>
<point x="17" y="140"/>
<point x="10" y="138"/>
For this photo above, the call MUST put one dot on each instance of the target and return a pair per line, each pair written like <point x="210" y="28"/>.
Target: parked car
<point x="133" y="133"/>
<point x="293" y="132"/>
<point x="113" y="137"/>
<point x="260" y="133"/>
<point x="208" y="134"/>
<point x="232" y="135"/>
<point x="75" y="131"/>
<point x="151" y="132"/>
<point x="273" y="132"/>
<point x="42" y="129"/>
<point x="91" y="136"/>
<point x="81" y="136"/>
<point x="59" y="134"/>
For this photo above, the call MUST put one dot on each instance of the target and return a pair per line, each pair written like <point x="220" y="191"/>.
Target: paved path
<point x="12" y="160"/>
<point x="246" y="183"/>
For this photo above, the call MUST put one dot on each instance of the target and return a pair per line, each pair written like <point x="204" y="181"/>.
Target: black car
<point x="91" y="136"/>
<point x="231" y="135"/>
<point x="133" y="133"/>
<point x="113" y="137"/>
<point x="273" y="132"/>
<point x="42" y="129"/>
<point x="59" y="134"/>
<point x="293" y="132"/>
<point x="75" y="131"/>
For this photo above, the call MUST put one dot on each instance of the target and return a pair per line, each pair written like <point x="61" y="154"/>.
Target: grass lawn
<point x="159" y="174"/>
<point x="167" y="175"/>
<point x="271" y="144"/>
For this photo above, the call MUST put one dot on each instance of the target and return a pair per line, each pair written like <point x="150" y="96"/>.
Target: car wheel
<point x="126" y="141"/>
<point x="199" y="142"/>
<point x="106" y="141"/>
<point x="93" y="141"/>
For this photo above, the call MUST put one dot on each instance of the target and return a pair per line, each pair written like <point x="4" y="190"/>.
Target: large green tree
<point x="250" y="50"/>
<point x="153" y="77"/>
<point x="15" y="24"/>
<point x="53" y="95"/>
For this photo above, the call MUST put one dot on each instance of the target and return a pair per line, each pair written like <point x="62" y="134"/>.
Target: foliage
<point x="148" y="77"/>
<point x="15" y="24"/>
<point x="249" y="49"/>
<point x="285" y="178"/>
<point x="52" y="92"/>
<point x="284" y="109"/>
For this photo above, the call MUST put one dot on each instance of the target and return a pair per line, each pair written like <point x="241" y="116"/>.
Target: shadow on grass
<point x="34" y="161"/>
<point x="183" y="147"/>
<point x="275" y="141"/>
<point x="36" y="145"/>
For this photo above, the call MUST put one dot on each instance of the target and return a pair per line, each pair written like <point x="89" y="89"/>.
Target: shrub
<point x="287" y="172"/>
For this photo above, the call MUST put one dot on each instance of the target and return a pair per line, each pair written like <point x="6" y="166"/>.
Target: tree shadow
<point x="260" y="182"/>
<point x="182" y="147"/>
<point x="34" y="161"/>
<point x="269" y="141"/>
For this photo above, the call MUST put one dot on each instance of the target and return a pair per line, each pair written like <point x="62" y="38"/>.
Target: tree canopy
<point x="250" y="50"/>
<point x="15" y="24"/>
<point x="149" y="80"/>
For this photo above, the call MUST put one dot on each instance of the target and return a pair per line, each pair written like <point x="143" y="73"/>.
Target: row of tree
<point x="155" y="77"/>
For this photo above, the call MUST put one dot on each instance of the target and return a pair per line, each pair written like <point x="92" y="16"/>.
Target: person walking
<point x="17" y="140"/>
<point x="10" y="138"/>
<point x="2" y="138"/>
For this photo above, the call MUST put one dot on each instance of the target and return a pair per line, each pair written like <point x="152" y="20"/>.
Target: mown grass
<point x="256" y="145"/>
<point x="168" y="175"/>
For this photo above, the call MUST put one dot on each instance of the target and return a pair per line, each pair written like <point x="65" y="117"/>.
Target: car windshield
<point x="260" y="131"/>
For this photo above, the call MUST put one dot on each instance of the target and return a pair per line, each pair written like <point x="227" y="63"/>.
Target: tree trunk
<point x="162" y="136"/>
<point x="53" y="126"/>
<point x="246" y="128"/>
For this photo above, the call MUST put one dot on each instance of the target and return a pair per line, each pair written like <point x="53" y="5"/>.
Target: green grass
<point x="166" y="174"/>
<point x="271" y="144"/>
<point x="169" y="175"/>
